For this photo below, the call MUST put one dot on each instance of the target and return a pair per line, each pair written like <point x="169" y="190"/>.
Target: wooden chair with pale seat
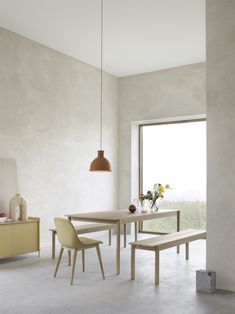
<point x="69" y="239"/>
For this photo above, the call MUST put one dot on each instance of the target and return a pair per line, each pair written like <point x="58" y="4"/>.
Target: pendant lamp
<point x="100" y="163"/>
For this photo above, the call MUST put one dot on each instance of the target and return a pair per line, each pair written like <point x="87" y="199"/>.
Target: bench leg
<point x="53" y="244"/>
<point x="136" y="230"/>
<point x="118" y="247"/>
<point x="178" y="228"/>
<point x="83" y="260"/>
<point x="132" y="262"/>
<point x="110" y="236"/>
<point x="124" y="231"/>
<point x="186" y="251"/>
<point x="157" y="266"/>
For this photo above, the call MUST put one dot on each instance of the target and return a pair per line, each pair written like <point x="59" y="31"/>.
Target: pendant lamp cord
<point x="101" y="75"/>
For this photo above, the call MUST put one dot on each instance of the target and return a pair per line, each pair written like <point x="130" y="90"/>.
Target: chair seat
<point x="89" y="241"/>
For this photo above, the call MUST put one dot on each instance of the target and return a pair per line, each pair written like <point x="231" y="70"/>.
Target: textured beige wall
<point x="8" y="181"/>
<point x="221" y="144"/>
<point x="164" y="94"/>
<point x="49" y="123"/>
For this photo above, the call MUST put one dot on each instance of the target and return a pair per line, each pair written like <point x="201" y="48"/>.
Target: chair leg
<point x="100" y="260"/>
<point x="83" y="260"/>
<point x="73" y="267"/>
<point x="58" y="263"/>
<point x="132" y="262"/>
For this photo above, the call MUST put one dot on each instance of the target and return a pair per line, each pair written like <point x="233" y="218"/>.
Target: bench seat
<point x="164" y="242"/>
<point x="88" y="228"/>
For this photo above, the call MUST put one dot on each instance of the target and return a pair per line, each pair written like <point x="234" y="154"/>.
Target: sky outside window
<point x="175" y="154"/>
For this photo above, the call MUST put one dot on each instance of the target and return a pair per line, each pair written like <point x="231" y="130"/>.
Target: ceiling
<point x="139" y="35"/>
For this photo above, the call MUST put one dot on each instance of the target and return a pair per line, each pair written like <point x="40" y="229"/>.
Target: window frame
<point x="140" y="154"/>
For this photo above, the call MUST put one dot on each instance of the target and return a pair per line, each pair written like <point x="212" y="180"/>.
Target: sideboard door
<point x="24" y="238"/>
<point x="4" y="241"/>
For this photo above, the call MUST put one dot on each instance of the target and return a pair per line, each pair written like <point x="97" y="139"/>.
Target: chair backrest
<point x="66" y="233"/>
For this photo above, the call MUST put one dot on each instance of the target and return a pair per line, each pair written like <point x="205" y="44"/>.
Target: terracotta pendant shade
<point x="100" y="163"/>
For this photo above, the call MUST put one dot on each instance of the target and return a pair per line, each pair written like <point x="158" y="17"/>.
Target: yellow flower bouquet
<point x="157" y="192"/>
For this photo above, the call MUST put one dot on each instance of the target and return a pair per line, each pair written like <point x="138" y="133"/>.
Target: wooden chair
<point x="69" y="239"/>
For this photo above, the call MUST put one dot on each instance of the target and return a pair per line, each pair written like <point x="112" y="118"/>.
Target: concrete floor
<point x="27" y="285"/>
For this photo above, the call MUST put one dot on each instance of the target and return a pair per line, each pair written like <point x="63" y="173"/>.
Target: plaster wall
<point x="49" y="123"/>
<point x="221" y="145"/>
<point x="166" y="94"/>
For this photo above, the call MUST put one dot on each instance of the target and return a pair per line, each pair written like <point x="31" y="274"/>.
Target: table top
<point x="122" y="215"/>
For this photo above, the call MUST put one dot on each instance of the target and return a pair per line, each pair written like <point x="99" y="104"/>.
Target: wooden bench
<point x="85" y="229"/>
<point x="160" y="243"/>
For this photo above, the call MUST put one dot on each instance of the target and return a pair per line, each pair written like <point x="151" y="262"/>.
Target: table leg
<point x="132" y="262"/>
<point x="136" y="230"/>
<point x="69" y="252"/>
<point x="53" y="244"/>
<point x="124" y="234"/>
<point x="118" y="247"/>
<point x="178" y="228"/>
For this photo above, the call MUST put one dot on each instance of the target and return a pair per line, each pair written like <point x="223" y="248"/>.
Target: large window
<point x="175" y="154"/>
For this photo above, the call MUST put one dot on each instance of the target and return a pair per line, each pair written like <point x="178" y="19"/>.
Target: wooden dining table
<point x="123" y="216"/>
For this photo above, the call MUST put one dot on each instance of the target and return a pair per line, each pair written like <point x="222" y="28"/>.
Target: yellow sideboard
<point x="19" y="237"/>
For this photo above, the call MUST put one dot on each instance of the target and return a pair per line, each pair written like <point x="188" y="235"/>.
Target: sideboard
<point x="19" y="237"/>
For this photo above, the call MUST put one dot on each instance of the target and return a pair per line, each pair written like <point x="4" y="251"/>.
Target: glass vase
<point x="154" y="207"/>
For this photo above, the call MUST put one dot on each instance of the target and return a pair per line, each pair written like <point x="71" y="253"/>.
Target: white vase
<point x="18" y="203"/>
